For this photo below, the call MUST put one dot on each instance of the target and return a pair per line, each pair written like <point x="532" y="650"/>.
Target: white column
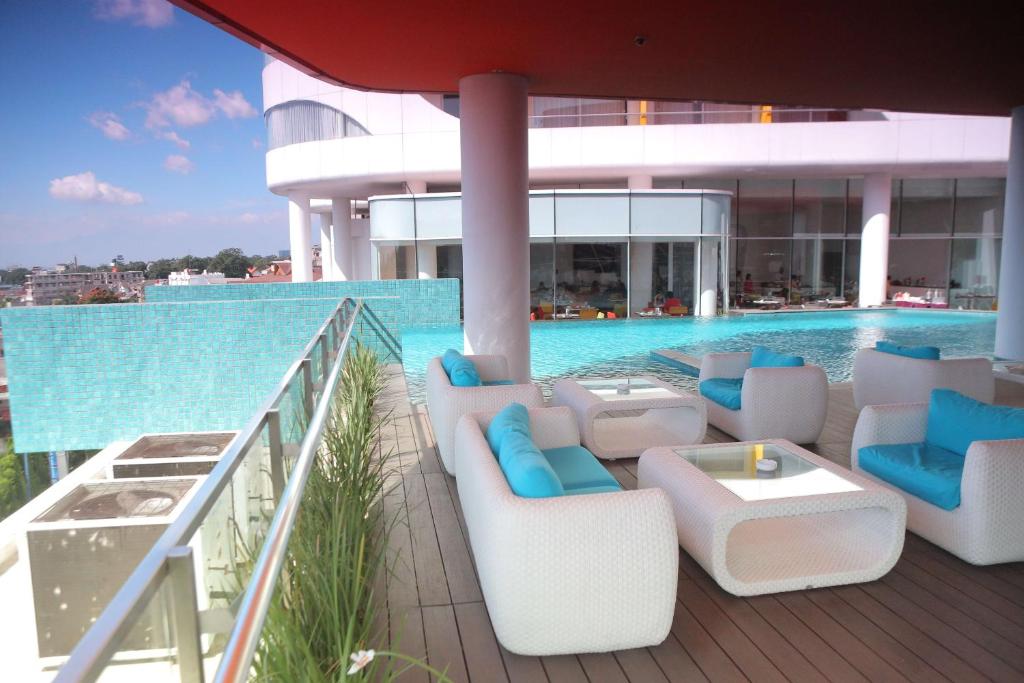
<point x="341" y="239"/>
<point x="301" y="243"/>
<point x="640" y="182"/>
<point x="707" y="281"/>
<point x="641" y="274"/>
<point x="325" y="248"/>
<point x="1010" y="318"/>
<point x="426" y="260"/>
<point x="495" y="218"/>
<point x="874" y="241"/>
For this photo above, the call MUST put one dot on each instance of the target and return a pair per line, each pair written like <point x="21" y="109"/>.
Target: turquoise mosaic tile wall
<point x="83" y="376"/>
<point x="420" y="302"/>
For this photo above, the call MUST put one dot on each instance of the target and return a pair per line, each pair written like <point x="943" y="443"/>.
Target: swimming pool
<point x="622" y="347"/>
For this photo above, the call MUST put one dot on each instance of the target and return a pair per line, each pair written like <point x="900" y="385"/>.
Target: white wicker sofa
<point x="776" y="403"/>
<point x="569" y="574"/>
<point x="883" y="378"/>
<point x="447" y="403"/>
<point x="988" y="525"/>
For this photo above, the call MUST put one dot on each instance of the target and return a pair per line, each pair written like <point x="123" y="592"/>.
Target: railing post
<point x="185" y="612"/>
<point x="307" y="387"/>
<point x="276" y="454"/>
<point x="325" y="359"/>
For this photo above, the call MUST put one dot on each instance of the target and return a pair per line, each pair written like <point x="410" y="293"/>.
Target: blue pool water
<point x="622" y="347"/>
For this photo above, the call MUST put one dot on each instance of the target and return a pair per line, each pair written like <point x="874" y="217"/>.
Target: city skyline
<point x="138" y="131"/>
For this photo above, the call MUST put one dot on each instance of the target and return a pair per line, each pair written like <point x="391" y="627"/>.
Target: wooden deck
<point x="933" y="618"/>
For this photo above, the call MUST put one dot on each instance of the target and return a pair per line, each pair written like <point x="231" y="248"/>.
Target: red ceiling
<point x="939" y="56"/>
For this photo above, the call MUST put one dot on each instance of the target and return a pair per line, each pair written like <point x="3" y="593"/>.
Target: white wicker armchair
<point x="883" y="378"/>
<point x="776" y="403"/>
<point x="584" y="573"/>
<point x="447" y="403"/>
<point x="986" y="527"/>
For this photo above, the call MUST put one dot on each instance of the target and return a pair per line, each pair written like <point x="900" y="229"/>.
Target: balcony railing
<point x="203" y="580"/>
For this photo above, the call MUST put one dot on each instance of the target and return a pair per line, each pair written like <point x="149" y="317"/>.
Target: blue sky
<point x="129" y="127"/>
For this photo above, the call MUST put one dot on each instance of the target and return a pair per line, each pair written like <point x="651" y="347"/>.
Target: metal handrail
<point x="100" y="643"/>
<point x="245" y="636"/>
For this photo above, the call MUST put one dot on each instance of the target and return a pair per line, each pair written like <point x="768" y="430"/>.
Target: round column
<point x="341" y="239"/>
<point x="325" y="248"/>
<point x="426" y="260"/>
<point x="1010" y="318"/>
<point x="301" y="242"/>
<point x="874" y="241"/>
<point x="495" y="218"/>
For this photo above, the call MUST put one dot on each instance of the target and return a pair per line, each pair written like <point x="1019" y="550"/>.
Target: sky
<point x="129" y="127"/>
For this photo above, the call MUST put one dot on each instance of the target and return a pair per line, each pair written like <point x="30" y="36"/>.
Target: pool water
<point x="622" y="347"/>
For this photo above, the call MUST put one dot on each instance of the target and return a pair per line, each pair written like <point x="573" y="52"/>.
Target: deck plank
<point x="602" y="667"/>
<point x="455" y="555"/>
<point x="639" y="665"/>
<point x="444" y="647"/>
<point x="483" y="658"/>
<point x="565" y="668"/>
<point x="522" y="669"/>
<point x="431" y="582"/>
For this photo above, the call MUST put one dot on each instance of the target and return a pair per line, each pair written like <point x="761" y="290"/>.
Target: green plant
<point x="321" y="620"/>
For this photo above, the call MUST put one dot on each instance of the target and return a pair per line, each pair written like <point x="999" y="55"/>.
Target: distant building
<point x="191" y="277"/>
<point x="46" y="287"/>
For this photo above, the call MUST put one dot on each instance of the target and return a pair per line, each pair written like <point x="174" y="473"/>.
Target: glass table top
<point x="625" y="388"/>
<point x="735" y="468"/>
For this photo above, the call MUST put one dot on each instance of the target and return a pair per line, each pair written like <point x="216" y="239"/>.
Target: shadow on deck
<point x="932" y="618"/>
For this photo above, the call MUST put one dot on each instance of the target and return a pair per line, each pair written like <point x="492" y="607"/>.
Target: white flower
<point x="360" y="660"/>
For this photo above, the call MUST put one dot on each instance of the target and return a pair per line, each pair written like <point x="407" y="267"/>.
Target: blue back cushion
<point x="449" y="357"/>
<point x="512" y="418"/>
<point x="920" y="352"/>
<point x="955" y="421"/>
<point x="725" y="392"/>
<point x="526" y="469"/>
<point x="464" y="374"/>
<point x="762" y="357"/>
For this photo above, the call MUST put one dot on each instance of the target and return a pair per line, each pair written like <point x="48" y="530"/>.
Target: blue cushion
<point x="512" y="418"/>
<point x="498" y="382"/>
<point x="724" y="392"/>
<point x="921" y="352"/>
<point x="956" y="421"/>
<point x="449" y="357"/>
<point x="763" y="357"/>
<point x="921" y="469"/>
<point x="578" y="469"/>
<point x="463" y="373"/>
<point x="527" y="470"/>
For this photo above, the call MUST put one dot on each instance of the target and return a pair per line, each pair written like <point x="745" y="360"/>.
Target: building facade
<point x="719" y="204"/>
<point x="63" y="286"/>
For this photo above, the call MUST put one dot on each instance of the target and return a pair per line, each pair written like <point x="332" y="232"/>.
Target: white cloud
<point x="85" y="188"/>
<point x="175" y="138"/>
<point x="179" y="105"/>
<point x="233" y="104"/>
<point x="110" y="125"/>
<point x="151" y="13"/>
<point x="178" y="163"/>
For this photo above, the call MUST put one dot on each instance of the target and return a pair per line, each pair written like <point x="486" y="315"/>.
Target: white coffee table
<point x="623" y="425"/>
<point x="809" y="524"/>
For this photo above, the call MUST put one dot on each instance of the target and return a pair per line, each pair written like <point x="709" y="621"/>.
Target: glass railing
<point x="739" y="114"/>
<point x="194" y="607"/>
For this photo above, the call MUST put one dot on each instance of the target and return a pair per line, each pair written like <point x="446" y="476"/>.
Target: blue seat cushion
<point x="763" y="357"/>
<point x="956" y="421"/>
<point x="924" y="470"/>
<point x="920" y="352"/>
<point x="526" y="469"/>
<point x="724" y="392"/>
<point x="512" y="418"/>
<point x="577" y="469"/>
<point x="498" y="382"/>
<point x="463" y="373"/>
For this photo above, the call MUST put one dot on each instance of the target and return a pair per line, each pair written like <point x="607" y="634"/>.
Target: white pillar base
<point x="326" y="272"/>
<point x="301" y="241"/>
<point x="426" y="260"/>
<point x="874" y="241"/>
<point x="341" y="240"/>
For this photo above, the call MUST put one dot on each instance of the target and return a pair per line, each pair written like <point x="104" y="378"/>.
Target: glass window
<point x="396" y="262"/>
<point x="975" y="273"/>
<point x="979" y="206"/>
<point x="817" y="270"/>
<point x="926" y="206"/>
<point x="765" y="208"/>
<point x="542" y="278"/>
<point x="591" y="278"/>
<point x="675" y="113"/>
<point x="851" y="271"/>
<point x="819" y="206"/>
<point x="761" y="268"/>
<point x="918" y="263"/>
